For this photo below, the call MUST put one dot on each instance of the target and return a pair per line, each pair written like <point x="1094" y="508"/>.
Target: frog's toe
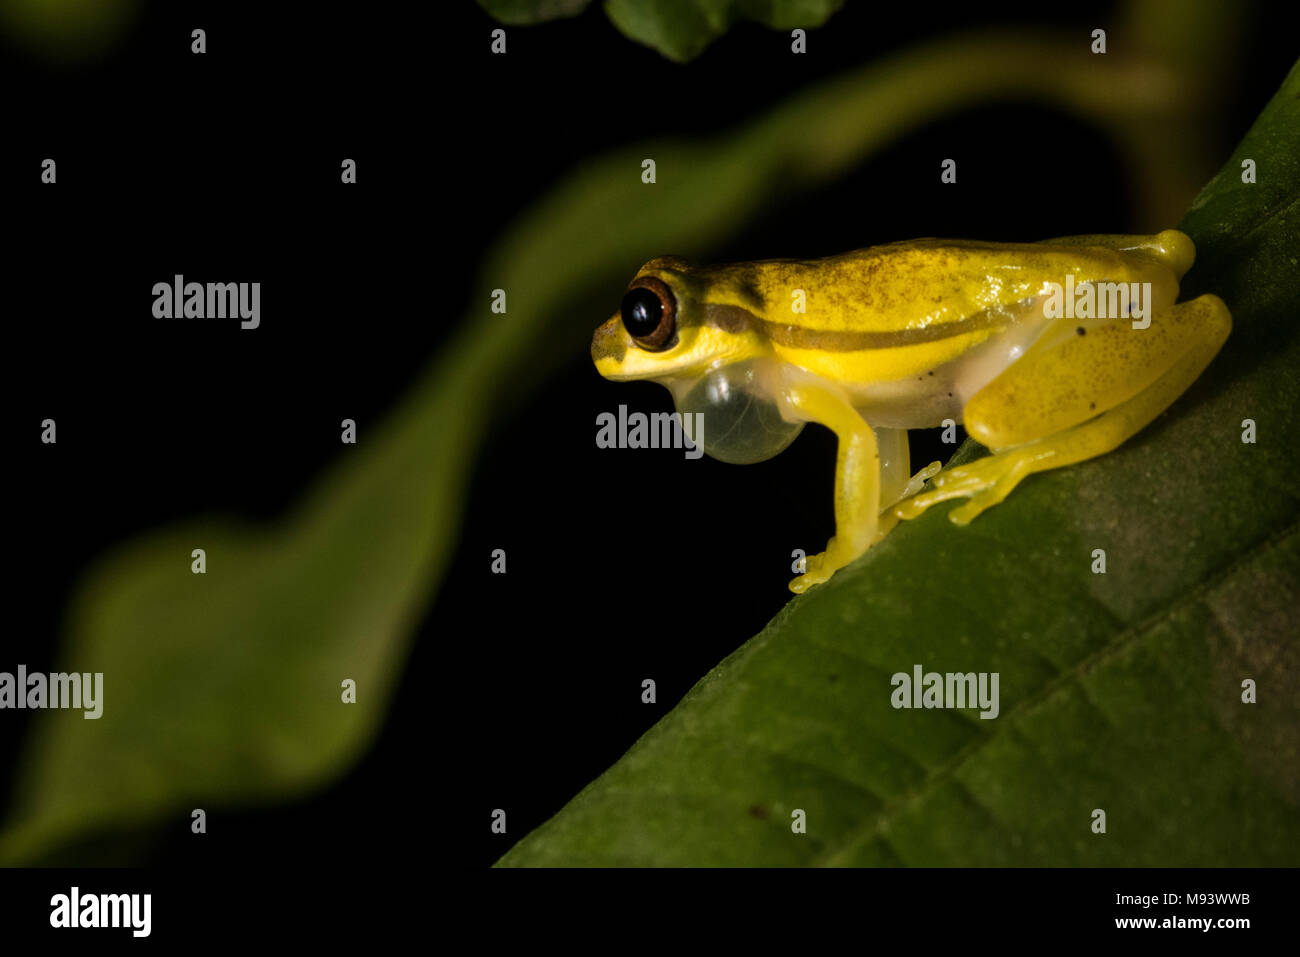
<point x="820" y="568"/>
<point x="912" y="507"/>
<point x="808" y="579"/>
<point x="989" y="486"/>
<point x="977" y="504"/>
<point x="917" y="504"/>
<point x="804" y="582"/>
<point x="917" y="481"/>
<point x="962" y="482"/>
<point x="963" y="478"/>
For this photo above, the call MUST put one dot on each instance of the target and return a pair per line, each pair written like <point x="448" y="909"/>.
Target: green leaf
<point x="226" y="686"/>
<point x="1119" y="691"/>
<point x="65" y="31"/>
<point x="681" y="29"/>
<point x="525" y="12"/>
<point x="223" y="689"/>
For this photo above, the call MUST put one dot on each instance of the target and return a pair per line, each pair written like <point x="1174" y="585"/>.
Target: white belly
<point x="922" y="403"/>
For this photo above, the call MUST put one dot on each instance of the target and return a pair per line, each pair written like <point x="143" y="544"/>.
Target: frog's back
<point x="904" y="309"/>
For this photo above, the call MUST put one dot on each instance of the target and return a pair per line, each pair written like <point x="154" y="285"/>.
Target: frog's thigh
<point x="1078" y="400"/>
<point x="857" y="478"/>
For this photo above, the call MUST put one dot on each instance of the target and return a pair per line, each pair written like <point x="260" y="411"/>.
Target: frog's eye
<point x="650" y="313"/>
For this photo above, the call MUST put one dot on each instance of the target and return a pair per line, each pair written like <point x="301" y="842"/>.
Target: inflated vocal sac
<point x="741" y="420"/>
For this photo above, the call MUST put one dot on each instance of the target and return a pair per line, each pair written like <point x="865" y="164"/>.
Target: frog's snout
<point x="608" y="346"/>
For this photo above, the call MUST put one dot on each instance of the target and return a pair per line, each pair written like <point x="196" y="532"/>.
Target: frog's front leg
<point x="895" y="468"/>
<point x="1077" y="400"/>
<point x="857" y="475"/>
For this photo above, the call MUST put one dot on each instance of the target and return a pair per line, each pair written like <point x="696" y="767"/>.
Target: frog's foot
<point x="985" y="482"/>
<point x="888" y="516"/>
<point x="822" y="566"/>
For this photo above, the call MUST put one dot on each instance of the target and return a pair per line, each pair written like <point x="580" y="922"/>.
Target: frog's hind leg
<point x="1080" y="399"/>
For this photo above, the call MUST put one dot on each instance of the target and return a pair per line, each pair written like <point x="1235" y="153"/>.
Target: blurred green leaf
<point x="223" y="689"/>
<point x="681" y="29"/>
<point x="68" y="30"/>
<point x="524" y="12"/>
<point x="1119" y="691"/>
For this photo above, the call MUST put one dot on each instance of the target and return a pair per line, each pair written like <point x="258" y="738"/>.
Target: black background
<point x="522" y="688"/>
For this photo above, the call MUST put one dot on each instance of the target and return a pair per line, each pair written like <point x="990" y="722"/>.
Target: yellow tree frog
<point x="1049" y="353"/>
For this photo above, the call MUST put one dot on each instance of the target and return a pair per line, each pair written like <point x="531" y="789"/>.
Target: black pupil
<point x="642" y="311"/>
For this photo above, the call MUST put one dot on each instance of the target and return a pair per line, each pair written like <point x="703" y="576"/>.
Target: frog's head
<point x="675" y="321"/>
<point x="698" y="331"/>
